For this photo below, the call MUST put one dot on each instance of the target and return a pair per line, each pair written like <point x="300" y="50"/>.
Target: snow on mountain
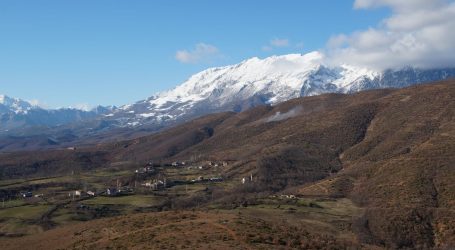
<point x="236" y="87"/>
<point x="279" y="77"/>
<point x="264" y="81"/>
<point x="15" y="105"/>
<point x="19" y="114"/>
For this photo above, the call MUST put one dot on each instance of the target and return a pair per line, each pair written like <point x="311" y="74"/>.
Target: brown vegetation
<point x="390" y="151"/>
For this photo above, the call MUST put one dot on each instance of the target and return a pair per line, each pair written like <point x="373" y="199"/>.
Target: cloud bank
<point x="279" y="42"/>
<point x="201" y="53"/>
<point x="419" y="33"/>
<point x="82" y="106"/>
<point x="276" y="43"/>
<point x="278" y="116"/>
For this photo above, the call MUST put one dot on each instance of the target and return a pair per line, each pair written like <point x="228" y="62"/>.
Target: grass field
<point x="131" y="200"/>
<point x="22" y="220"/>
<point x="63" y="217"/>
<point x="28" y="212"/>
<point x="12" y="203"/>
<point x="10" y="181"/>
<point x="21" y="217"/>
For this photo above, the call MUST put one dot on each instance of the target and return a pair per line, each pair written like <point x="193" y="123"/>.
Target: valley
<point x="53" y="207"/>
<point x="371" y="170"/>
<point x="227" y="125"/>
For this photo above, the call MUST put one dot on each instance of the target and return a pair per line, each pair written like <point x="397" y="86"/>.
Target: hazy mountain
<point x="17" y="114"/>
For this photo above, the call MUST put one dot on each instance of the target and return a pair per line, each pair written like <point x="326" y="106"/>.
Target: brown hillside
<point x="390" y="151"/>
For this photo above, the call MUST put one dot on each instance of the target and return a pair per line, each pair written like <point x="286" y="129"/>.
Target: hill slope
<point x="390" y="151"/>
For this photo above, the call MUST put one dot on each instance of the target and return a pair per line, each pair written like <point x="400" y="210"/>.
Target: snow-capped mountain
<point x="16" y="114"/>
<point x="17" y="106"/>
<point x="264" y="81"/>
<point x="235" y="88"/>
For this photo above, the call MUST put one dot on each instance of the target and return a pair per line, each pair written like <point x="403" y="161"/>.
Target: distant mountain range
<point x="235" y="88"/>
<point x="16" y="114"/>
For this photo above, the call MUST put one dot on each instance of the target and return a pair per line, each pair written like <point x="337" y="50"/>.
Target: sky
<point x="61" y="53"/>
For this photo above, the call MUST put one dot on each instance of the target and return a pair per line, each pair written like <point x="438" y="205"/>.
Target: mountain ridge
<point x="266" y="81"/>
<point x="16" y="114"/>
<point x="238" y="87"/>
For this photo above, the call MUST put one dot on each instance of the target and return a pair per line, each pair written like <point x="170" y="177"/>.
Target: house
<point x="26" y="194"/>
<point x="247" y="179"/>
<point x="75" y="193"/>
<point x="111" y="191"/>
<point x="177" y="163"/>
<point x="144" y="170"/>
<point x="147" y="184"/>
<point x="125" y="190"/>
<point x="155" y="185"/>
<point x="216" y="179"/>
<point x="211" y="179"/>
<point x="288" y="196"/>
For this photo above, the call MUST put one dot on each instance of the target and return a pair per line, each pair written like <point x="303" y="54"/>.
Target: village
<point x="150" y="177"/>
<point x="106" y="192"/>
<point x="125" y="188"/>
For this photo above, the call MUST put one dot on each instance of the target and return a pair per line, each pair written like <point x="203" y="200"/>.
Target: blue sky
<point x="68" y="53"/>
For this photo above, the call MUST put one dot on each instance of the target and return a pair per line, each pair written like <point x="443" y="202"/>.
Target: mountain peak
<point x="248" y="77"/>
<point x="269" y="80"/>
<point x="238" y="87"/>
<point x="4" y="98"/>
<point x="15" y="105"/>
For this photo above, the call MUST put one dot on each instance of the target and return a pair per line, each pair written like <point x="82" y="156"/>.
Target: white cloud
<point x="201" y="53"/>
<point x="37" y="103"/>
<point x="279" y="42"/>
<point x="266" y="48"/>
<point x="83" y="106"/>
<point x="418" y="33"/>
<point x="300" y="45"/>
<point x="34" y="102"/>
<point x="401" y="5"/>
